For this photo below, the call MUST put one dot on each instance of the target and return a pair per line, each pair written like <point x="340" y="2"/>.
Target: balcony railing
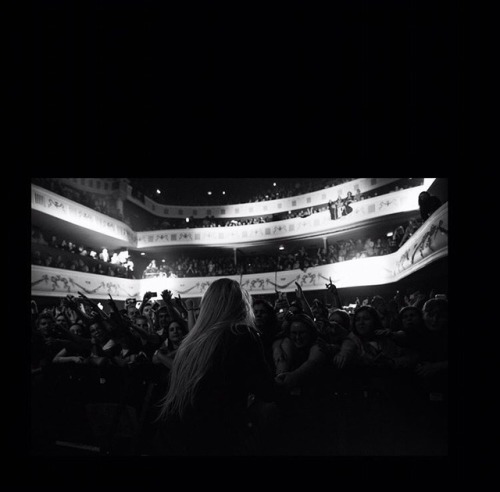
<point x="316" y="224"/>
<point x="428" y="244"/>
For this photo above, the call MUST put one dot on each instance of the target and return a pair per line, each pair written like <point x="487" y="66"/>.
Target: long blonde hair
<point x="224" y="305"/>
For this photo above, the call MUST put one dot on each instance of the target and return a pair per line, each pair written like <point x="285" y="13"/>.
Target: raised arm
<point x="334" y="294"/>
<point x="299" y="293"/>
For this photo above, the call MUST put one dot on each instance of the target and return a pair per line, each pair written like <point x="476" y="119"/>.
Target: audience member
<point x="217" y="366"/>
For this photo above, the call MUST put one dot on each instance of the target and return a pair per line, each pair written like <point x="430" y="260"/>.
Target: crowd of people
<point x="61" y="253"/>
<point x="280" y="190"/>
<point x="338" y="207"/>
<point x="300" y="258"/>
<point x="223" y="375"/>
<point x="64" y="254"/>
<point x="102" y="203"/>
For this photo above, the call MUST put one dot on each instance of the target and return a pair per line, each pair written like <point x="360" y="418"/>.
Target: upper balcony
<point x="118" y="234"/>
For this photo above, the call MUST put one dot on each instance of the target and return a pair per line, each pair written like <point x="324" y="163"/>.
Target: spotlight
<point x="274" y="184"/>
<point x="187" y="219"/>
<point x="143" y="254"/>
<point x="389" y="234"/>
<point x="158" y="191"/>
<point x="163" y="261"/>
<point x="281" y="248"/>
<point x="223" y="192"/>
<point x="209" y="193"/>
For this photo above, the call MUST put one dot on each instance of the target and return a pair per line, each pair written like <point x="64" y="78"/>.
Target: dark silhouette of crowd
<point x="234" y="375"/>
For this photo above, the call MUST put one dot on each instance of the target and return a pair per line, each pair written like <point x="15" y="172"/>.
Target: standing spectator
<point x="266" y="322"/>
<point x="218" y="365"/>
<point x="298" y="355"/>
<point x="165" y="354"/>
<point x="427" y="204"/>
<point x="433" y="351"/>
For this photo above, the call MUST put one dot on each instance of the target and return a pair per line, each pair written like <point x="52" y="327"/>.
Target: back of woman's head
<point x="224" y="307"/>
<point x="225" y="302"/>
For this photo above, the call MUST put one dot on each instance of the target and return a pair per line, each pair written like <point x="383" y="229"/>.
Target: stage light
<point x="187" y="219"/>
<point x="163" y="261"/>
<point x="209" y="193"/>
<point x="158" y="191"/>
<point x="274" y="184"/>
<point x="281" y="248"/>
<point x="389" y="234"/>
<point x="223" y="192"/>
<point x="143" y="254"/>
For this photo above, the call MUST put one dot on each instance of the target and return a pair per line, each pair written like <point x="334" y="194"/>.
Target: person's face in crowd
<point x="163" y="319"/>
<point x="335" y="318"/>
<point x="261" y="315"/>
<point x="364" y="323"/>
<point x="175" y="332"/>
<point x="45" y="327"/>
<point x="435" y="318"/>
<point x="61" y="321"/>
<point x="300" y="334"/>
<point x="132" y="311"/>
<point x="76" y="329"/>
<point x="141" y="323"/>
<point x="98" y="333"/>
<point x="410" y="319"/>
<point x="147" y="310"/>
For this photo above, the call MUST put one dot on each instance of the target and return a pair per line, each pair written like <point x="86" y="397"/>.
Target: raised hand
<point x="166" y="295"/>
<point x="331" y="286"/>
<point x="298" y="291"/>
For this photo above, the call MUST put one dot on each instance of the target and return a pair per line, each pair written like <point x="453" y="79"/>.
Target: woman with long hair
<point x="217" y="367"/>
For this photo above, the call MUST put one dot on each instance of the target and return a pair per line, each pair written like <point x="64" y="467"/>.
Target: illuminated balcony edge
<point x="257" y="209"/>
<point x="315" y="224"/>
<point x="428" y="244"/>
